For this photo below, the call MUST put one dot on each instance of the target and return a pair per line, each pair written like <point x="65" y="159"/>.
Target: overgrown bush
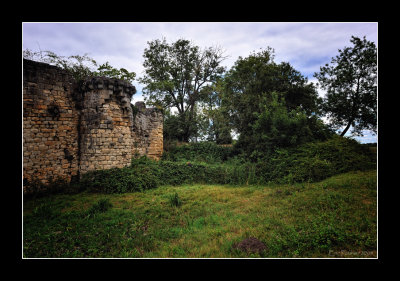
<point x="309" y="162"/>
<point x="208" y="152"/>
<point x="145" y="173"/>
<point x="119" y="180"/>
<point x="177" y="173"/>
<point x="317" y="160"/>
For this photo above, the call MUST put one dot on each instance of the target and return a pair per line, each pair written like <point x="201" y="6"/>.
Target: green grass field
<point x="332" y="218"/>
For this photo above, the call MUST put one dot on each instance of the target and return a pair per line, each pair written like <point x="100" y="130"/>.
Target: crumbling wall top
<point x="99" y="83"/>
<point x="48" y="73"/>
<point x="141" y="106"/>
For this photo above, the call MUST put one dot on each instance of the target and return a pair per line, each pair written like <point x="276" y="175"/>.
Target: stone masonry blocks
<point x="70" y="128"/>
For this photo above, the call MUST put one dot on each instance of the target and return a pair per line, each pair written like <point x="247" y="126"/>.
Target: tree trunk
<point x="346" y="129"/>
<point x="186" y="132"/>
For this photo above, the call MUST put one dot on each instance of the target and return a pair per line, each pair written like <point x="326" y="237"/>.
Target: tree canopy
<point x="350" y="82"/>
<point x="269" y="103"/>
<point x="175" y="75"/>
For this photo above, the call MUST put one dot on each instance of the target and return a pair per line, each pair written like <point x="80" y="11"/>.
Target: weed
<point x="45" y="211"/>
<point x="103" y="205"/>
<point x="174" y="200"/>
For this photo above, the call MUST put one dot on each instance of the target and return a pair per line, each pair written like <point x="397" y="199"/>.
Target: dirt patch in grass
<point x="250" y="245"/>
<point x="367" y="202"/>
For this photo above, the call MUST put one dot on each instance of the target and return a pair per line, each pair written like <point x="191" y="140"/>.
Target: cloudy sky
<point x="306" y="46"/>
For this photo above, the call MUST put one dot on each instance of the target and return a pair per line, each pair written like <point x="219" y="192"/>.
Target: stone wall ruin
<point x="70" y="128"/>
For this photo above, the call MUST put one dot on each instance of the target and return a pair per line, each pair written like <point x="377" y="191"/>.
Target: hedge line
<point x="309" y="162"/>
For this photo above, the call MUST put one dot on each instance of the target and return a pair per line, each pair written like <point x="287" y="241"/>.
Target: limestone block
<point x="106" y="131"/>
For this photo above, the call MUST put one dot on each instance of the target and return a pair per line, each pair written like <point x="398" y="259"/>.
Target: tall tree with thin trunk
<point x="175" y="75"/>
<point x="350" y="82"/>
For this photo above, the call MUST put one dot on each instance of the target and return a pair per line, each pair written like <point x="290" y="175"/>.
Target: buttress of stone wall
<point x="148" y="132"/>
<point x="106" y="124"/>
<point x="50" y="121"/>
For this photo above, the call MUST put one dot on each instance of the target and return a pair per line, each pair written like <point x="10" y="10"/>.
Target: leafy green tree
<point x="256" y="76"/>
<point x="219" y="127"/>
<point x="174" y="126"/>
<point x="172" y="129"/>
<point x="111" y="72"/>
<point x="257" y="82"/>
<point x="277" y="127"/>
<point x="350" y="82"/>
<point x="175" y="75"/>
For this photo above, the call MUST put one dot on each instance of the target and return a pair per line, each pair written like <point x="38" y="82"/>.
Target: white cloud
<point x="302" y="44"/>
<point x="306" y="46"/>
<point x="368" y="136"/>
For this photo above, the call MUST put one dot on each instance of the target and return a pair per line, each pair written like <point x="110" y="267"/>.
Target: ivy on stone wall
<point x="80" y="66"/>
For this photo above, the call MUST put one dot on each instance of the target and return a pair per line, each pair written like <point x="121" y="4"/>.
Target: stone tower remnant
<point x="72" y="127"/>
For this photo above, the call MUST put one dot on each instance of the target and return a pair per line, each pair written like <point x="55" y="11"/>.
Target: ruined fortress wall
<point x="50" y="122"/>
<point x="70" y="129"/>
<point x="106" y="125"/>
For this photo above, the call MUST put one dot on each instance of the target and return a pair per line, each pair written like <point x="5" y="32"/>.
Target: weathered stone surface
<point x="148" y="131"/>
<point x="69" y="130"/>
<point x="48" y="114"/>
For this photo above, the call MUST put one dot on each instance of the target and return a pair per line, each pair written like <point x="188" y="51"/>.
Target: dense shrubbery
<point x="208" y="163"/>
<point x="309" y="162"/>
<point x="317" y="160"/>
<point x="119" y="180"/>
<point x="276" y="127"/>
<point x="145" y="173"/>
<point x="176" y="173"/>
<point x="207" y="152"/>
